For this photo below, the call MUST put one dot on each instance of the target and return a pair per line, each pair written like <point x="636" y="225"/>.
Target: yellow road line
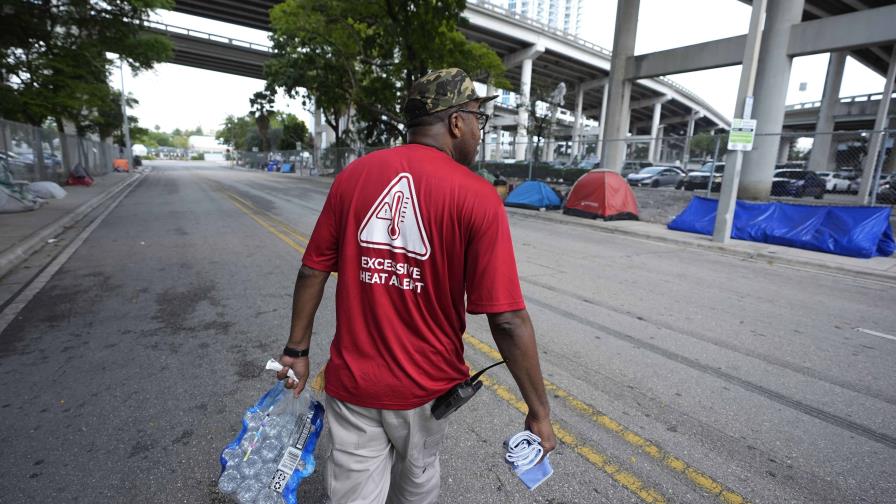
<point x="698" y="478"/>
<point x="239" y="203"/>
<point x="628" y="480"/>
<point x="283" y="225"/>
<point x="265" y="225"/>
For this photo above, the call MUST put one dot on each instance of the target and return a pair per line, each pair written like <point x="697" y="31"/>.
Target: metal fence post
<point x="4" y="135"/>
<point x="712" y="171"/>
<point x="878" y="166"/>
<point x="38" y="150"/>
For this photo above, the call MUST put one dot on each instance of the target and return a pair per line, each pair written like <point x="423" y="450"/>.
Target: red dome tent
<point x="604" y="194"/>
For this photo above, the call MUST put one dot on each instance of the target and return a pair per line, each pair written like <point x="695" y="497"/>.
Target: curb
<point x="13" y="256"/>
<point x="725" y="249"/>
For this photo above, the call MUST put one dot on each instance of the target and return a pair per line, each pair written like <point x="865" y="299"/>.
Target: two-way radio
<point x="450" y="401"/>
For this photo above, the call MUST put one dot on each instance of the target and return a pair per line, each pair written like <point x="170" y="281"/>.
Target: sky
<point x="173" y="96"/>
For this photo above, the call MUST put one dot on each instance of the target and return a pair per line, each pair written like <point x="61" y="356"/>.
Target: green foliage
<point x="284" y="131"/>
<point x="294" y="131"/>
<point x="703" y="145"/>
<point x="235" y="132"/>
<point x="363" y="56"/>
<point x="197" y="157"/>
<point x="54" y="57"/>
<point x="178" y="138"/>
<point x="262" y="104"/>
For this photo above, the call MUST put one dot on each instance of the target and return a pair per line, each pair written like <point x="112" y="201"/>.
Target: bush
<point x="197" y="157"/>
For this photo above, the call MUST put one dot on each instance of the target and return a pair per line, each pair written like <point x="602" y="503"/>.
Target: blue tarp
<point x="286" y="168"/>
<point x="850" y="231"/>
<point x="533" y="194"/>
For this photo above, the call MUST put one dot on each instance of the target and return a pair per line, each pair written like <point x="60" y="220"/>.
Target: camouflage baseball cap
<point x="439" y="90"/>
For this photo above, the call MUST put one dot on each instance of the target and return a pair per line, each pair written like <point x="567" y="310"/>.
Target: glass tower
<point x="560" y="14"/>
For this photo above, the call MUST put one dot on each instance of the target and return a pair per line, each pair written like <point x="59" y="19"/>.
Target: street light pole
<point x="124" y="114"/>
<point x="743" y="109"/>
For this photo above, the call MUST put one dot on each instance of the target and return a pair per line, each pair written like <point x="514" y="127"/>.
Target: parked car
<point x="797" y="183"/>
<point x="887" y="194"/>
<point x="791" y="165"/>
<point x="630" y="167"/>
<point x="656" y="176"/>
<point x="18" y="165"/>
<point x="834" y="181"/>
<point x="885" y="180"/>
<point x="700" y="178"/>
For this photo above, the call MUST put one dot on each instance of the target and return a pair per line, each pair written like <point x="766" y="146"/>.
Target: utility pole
<point x="743" y="110"/>
<point x="124" y="114"/>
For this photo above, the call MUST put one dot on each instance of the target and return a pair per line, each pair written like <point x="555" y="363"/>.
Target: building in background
<point x="560" y="14"/>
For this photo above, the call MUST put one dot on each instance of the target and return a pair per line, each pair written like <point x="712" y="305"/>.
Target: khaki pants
<point x="382" y="456"/>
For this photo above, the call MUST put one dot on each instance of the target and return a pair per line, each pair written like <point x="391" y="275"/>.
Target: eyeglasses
<point x="482" y="117"/>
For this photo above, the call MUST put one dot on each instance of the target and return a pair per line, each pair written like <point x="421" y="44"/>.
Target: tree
<point x="262" y="111"/>
<point x="539" y="123"/>
<point x="294" y="131"/>
<point x="704" y="145"/>
<point x="362" y="57"/>
<point x="55" y="62"/>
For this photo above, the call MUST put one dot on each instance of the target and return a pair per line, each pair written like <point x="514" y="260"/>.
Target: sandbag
<point x="13" y="201"/>
<point x="47" y="190"/>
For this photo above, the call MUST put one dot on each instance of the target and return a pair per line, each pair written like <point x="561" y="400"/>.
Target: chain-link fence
<point x="331" y="160"/>
<point x="828" y="166"/>
<point x="794" y="164"/>
<point x="34" y="153"/>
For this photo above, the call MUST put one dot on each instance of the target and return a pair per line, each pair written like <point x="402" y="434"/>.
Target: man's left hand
<point x="299" y="366"/>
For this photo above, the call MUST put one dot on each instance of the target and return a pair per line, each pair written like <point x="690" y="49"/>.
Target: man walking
<point x="417" y="239"/>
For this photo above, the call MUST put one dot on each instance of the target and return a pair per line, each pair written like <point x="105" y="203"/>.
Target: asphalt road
<point x="676" y="375"/>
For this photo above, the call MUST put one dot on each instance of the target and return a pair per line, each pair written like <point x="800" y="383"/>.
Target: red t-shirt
<point x="410" y="232"/>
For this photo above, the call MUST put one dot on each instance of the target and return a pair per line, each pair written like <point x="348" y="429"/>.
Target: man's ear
<point x="455" y="126"/>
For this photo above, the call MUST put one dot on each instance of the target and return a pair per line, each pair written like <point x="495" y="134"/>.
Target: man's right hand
<point x="542" y="428"/>
<point x="299" y="366"/>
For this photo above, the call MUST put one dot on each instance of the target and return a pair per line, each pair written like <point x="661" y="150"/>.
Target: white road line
<point x="875" y="333"/>
<point x="11" y="311"/>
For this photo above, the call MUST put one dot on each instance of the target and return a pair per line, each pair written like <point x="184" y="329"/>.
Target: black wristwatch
<point x="292" y="352"/>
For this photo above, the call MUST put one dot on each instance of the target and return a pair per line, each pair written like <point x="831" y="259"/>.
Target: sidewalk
<point x="23" y="233"/>
<point x="875" y="268"/>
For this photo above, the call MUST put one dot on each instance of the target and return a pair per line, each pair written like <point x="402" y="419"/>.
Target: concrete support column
<point x="658" y="150"/>
<point x="822" y="156"/>
<point x="772" y="78"/>
<point x="522" y="118"/>
<point x="489" y="146"/>
<point x="70" y="145"/>
<point x="686" y="153"/>
<point x="318" y="138"/>
<point x="654" y="132"/>
<point x="869" y="165"/>
<point x="577" y="125"/>
<point x="619" y="90"/>
<point x="890" y="162"/>
<point x="603" y="121"/>
<point x="784" y="145"/>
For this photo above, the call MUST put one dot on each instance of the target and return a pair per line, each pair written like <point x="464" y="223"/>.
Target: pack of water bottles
<point x="274" y="450"/>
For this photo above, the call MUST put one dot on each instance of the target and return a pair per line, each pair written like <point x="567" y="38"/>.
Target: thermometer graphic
<point x="397" y="200"/>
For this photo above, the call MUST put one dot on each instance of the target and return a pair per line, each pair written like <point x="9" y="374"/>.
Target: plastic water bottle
<point x="230" y="481"/>
<point x="251" y="463"/>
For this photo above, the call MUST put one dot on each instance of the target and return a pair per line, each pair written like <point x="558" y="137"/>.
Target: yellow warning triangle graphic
<point x="393" y="223"/>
